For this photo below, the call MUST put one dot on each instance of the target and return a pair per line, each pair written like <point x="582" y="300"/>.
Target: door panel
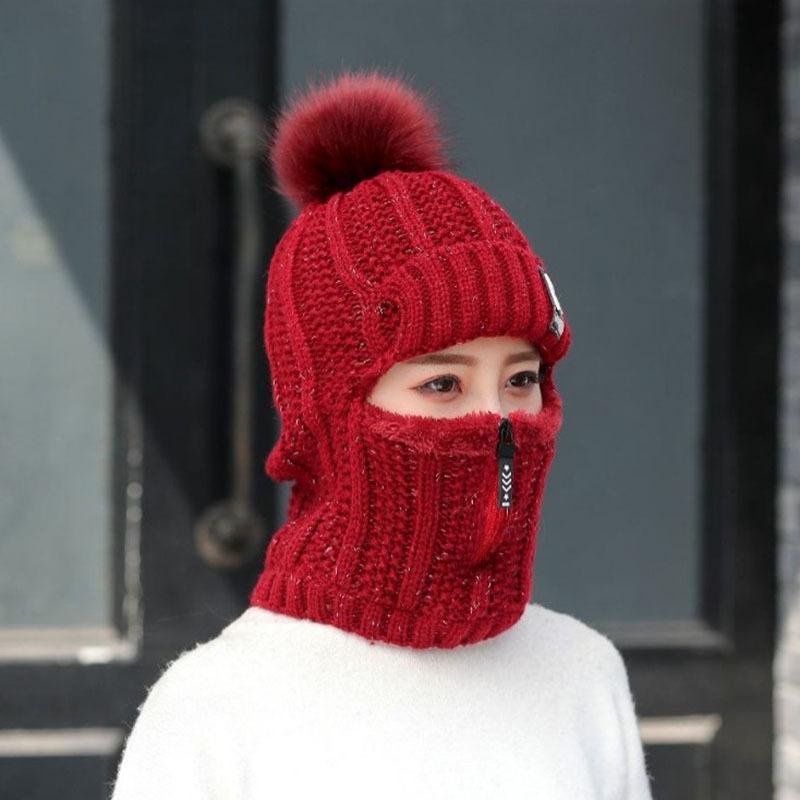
<point x="115" y="259"/>
<point x="621" y="136"/>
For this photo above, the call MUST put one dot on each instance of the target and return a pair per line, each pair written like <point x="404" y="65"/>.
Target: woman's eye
<point x="446" y="384"/>
<point x="528" y="377"/>
<point x="443" y="380"/>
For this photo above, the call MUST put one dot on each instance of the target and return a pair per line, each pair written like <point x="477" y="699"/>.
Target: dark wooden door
<point x="118" y="388"/>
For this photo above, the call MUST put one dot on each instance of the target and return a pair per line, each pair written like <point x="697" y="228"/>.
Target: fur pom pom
<point x="355" y="126"/>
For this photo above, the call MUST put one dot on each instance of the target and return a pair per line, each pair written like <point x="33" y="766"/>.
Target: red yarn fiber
<point x="352" y="128"/>
<point x="391" y="533"/>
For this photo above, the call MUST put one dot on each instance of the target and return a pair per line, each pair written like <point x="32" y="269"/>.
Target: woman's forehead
<point x="514" y="348"/>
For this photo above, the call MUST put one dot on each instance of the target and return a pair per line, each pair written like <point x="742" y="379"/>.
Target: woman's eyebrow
<point x="458" y="358"/>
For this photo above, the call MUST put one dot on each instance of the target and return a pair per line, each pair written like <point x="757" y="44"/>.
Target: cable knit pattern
<point x="395" y="527"/>
<point x="391" y="532"/>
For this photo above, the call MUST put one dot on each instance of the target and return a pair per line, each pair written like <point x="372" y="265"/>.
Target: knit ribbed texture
<point x="389" y="533"/>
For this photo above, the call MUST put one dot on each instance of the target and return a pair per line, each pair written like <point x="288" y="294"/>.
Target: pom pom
<point x="354" y="127"/>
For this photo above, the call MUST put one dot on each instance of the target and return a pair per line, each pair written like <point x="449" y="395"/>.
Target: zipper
<point x="505" y="464"/>
<point x="500" y="498"/>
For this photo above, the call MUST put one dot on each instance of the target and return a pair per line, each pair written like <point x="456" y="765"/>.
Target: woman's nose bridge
<point x="490" y="401"/>
<point x="489" y="397"/>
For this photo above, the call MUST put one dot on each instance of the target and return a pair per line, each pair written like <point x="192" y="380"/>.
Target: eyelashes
<point x="444" y="384"/>
<point x="531" y="375"/>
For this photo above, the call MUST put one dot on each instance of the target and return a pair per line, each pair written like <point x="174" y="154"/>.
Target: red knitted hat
<point x="395" y="529"/>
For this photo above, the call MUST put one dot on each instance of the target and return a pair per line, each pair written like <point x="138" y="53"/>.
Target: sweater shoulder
<point x="261" y="643"/>
<point x="574" y="640"/>
<point x="195" y="671"/>
<point x="184" y="714"/>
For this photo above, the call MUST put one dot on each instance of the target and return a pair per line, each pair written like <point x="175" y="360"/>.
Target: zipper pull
<point x="505" y="464"/>
<point x="497" y="511"/>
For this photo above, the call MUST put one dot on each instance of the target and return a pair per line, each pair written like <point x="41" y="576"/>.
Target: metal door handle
<point x="229" y="532"/>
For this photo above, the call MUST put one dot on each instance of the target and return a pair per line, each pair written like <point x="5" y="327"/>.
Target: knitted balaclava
<point x="412" y="530"/>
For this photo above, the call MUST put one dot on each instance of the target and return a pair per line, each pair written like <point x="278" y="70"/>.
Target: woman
<point x="390" y="649"/>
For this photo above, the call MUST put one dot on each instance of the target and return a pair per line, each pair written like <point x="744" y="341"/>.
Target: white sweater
<point x="278" y="707"/>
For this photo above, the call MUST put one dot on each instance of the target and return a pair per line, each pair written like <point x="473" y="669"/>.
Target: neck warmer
<point x="411" y="530"/>
<point x="424" y="532"/>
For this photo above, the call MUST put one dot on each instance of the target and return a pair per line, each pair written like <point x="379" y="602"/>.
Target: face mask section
<point x="424" y="534"/>
<point x="443" y="518"/>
